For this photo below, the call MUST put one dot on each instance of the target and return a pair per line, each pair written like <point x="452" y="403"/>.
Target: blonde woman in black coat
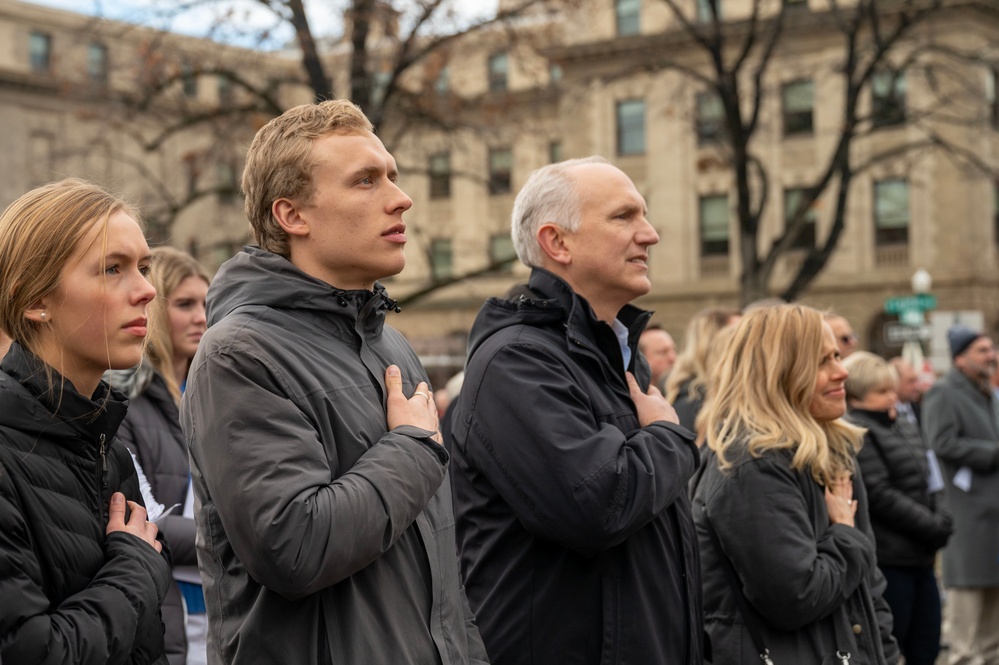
<point x="909" y="523"/>
<point x="787" y="553"/>
<point x="81" y="572"/>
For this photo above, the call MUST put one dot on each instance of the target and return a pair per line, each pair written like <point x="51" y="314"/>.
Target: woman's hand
<point x="137" y="525"/>
<point x="839" y="500"/>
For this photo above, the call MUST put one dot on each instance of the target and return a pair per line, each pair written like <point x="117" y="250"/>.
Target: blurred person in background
<point x="659" y="350"/>
<point x="909" y="522"/>
<point x="961" y="424"/>
<point x="82" y="574"/>
<point x="151" y="430"/>
<point x="787" y="551"/>
<point x="909" y="392"/>
<point x="846" y="339"/>
<point x="687" y="383"/>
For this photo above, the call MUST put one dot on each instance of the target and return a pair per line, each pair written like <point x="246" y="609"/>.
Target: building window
<point x="555" y="73"/>
<point x="631" y="127"/>
<point x="440" y="175"/>
<point x="891" y="212"/>
<point x="806" y="235"/>
<point x="710" y="118"/>
<point x="714" y="225"/>
<point x="501" y="251"/>
<point x="798" y="98"/>
<point x="188" y="80"/>
<point x="228" y="185"/>
<point x="888" y="98"/>
<point x="628" y="14"/>
<point x="704" y="12"/>
<point x="554" y="152"/>
<point x="442" y="84"/>
<point x="441" y="258"/>
<point x="223" y="89"/>
<point x="40" y="51"/>
<point x="379" y="86"/>
<point x="97" y="63"/>
<point x="991" y="84"/>
<point x="500" y="166"/>
<point x="499" y="68"/>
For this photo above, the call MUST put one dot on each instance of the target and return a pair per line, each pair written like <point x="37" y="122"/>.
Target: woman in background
<point x="686" y="386"/>
<point x="81" y="572"/>
<point x="787" y="553"/>
<point x="909" y="525"/>
<point x="151" y="430"/>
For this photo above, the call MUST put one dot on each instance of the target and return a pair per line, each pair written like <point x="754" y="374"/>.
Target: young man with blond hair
<point x="325" y="526"/>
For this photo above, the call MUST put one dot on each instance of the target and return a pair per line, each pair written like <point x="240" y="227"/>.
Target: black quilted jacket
<point x="69" y="593"/>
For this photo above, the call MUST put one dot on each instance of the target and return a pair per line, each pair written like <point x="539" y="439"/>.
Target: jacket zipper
<point x="102" y="478"/>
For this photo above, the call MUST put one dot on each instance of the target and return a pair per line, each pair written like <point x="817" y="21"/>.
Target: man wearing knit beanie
<point x="961" y="423"/>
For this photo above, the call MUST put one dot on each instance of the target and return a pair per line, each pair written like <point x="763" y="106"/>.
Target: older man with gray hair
<point x="569" y="471"/>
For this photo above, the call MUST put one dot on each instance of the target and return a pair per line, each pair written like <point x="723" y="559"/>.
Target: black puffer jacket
<point x="68" y="593"/>
<point x="152" y="431"/>
<point x="909" y="526"/>
<point x="574" y="527"/>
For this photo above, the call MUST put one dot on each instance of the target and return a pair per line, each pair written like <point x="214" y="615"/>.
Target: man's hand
<point x="418" y="410"/>
<point x="651" y="406"/>
<point x="137" y="524"/>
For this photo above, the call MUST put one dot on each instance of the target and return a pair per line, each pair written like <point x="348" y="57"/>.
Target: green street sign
<point x="919" y="302"/>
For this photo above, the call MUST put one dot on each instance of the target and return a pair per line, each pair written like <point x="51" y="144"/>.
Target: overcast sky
<point x="324" y="15"/>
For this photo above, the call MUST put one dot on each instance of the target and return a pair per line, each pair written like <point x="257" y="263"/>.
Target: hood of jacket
<point x="256" y="277"/>
<point x="61" y="413"/>
<point x="548" y="301"/>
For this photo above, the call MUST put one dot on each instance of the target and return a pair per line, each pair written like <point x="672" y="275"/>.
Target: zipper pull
<point x="765" y="657"/>
<point x="104" y="459"/>
<point x="844" y="658"/>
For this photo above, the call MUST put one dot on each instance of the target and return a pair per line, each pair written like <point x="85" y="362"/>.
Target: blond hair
<point x="280" y="162"/>
<point x="39" y="233"/>
<point x="764" y="389"/>
<point x="170" y="267"/>
<point x="867" y="372"/>
<point x="692" y="363"/>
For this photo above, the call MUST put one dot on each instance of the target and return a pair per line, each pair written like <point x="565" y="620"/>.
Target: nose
<point x="200" y="315"/>
<point x="647" y="234"/>
<point x="839" y="371"/>
<point x="400" y="201"/>
<point x="144" y="291"/>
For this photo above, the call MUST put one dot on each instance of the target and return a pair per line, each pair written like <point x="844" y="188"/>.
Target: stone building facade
<point x="557" y="84"/>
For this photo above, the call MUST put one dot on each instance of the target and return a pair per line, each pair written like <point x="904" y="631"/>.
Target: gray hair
<point x="549" y="195"/>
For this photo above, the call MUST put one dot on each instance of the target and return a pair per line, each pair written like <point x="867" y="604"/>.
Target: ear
<point x="37" y="312"/>
<point x="552" y="240"/>
<point x="289" y="217"/>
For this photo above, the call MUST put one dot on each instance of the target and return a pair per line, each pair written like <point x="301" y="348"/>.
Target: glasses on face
<point x="848" y="339"/>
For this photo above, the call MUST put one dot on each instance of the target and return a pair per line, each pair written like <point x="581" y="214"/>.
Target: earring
<point x="43" y="315"/>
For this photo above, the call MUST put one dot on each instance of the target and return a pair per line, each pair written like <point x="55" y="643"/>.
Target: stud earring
<point x="43" y="315"/>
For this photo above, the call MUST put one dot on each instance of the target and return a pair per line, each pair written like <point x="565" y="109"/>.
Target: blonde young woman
<point x="687" y="383"/>
<point x="81" y="571"/>
<point x="151" y="430"/>
<point x="787" y="552"/>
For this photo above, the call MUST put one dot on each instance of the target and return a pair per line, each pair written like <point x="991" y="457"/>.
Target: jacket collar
<point x="31" y="405"/>
<point x="581" y="323"/>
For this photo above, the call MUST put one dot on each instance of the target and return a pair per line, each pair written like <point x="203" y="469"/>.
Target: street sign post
<point x="919" y="302"/>
<point x="897" y="334"/>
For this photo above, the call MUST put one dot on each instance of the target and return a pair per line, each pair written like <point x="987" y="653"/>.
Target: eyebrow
<point x="122" y="256"/>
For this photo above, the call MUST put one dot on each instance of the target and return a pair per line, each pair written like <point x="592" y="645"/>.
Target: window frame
<point x="713" y="247"/>
<point x="797" y="121"/>
<point x="627" y="17"/>
<point x="498" y="78"/>
<point x="500" y="180"/>
<point x="808" y="236"/>
<point x="40" y="61"/>
<point x="890" y="233"/>
<point x="439" y="178"/>
<point x="630" y="133"/>
<point x="441" y="259"/>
